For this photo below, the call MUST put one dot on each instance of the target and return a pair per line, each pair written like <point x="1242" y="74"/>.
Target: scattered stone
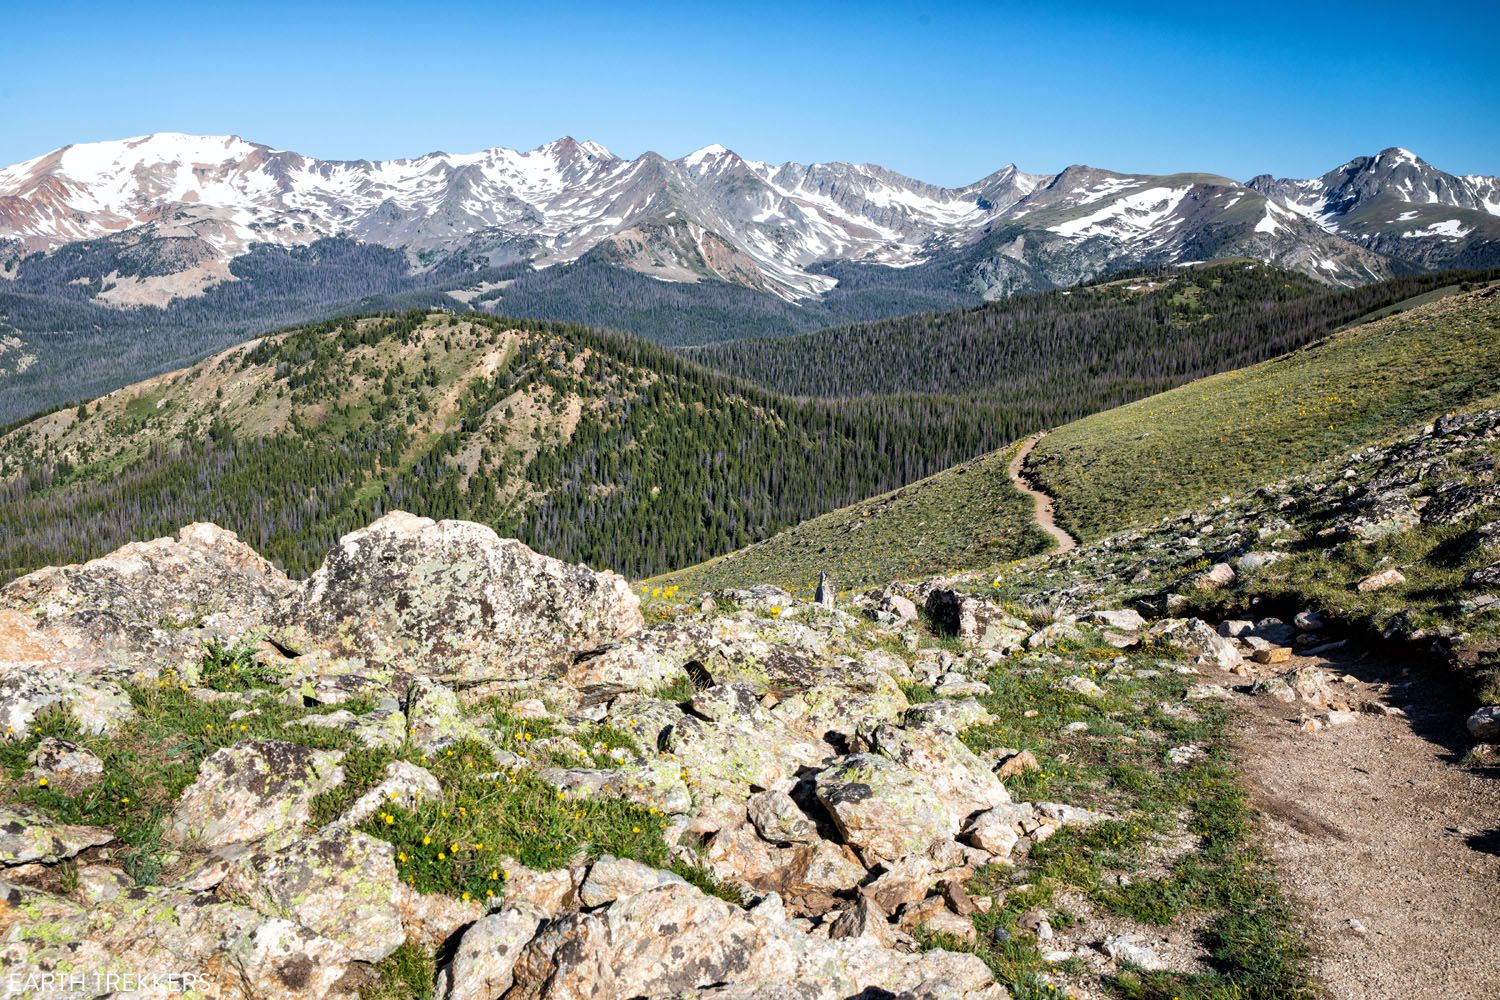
<point x="1217" y="575"/>
<point x="486" y="955"/>
<point x="975" y="622"/>
<point x="1235" y="629"/>
<point x="27" y="836"/>
<point x="1310" y="621"/>
<point x="864" y="919"/>
<point x="405" y="786"/>
<point x="1484" y="725"/>
<point x="612" y="878"/>
<point x="1127" y="949"/>
<point x="1381" y="580"/>
<point x="530" y="710"/>
<point x="66" y="766"/>
<point x="1015" y="763"/>
<point x="778" y="818"/>
<point x="1081" y="685"/>
<point x="1125" y="619"/>
<point x="958" y="898"/>
<point x="1272" y="655"/>
<point x="1205" y="692"/>
<point x="1306" y="684"/>
<point x="1184" y="754"/>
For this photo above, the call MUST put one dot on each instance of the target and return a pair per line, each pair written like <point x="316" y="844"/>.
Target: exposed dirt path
<point x="1374" y="822"/>
<point x="1043" y="502"/>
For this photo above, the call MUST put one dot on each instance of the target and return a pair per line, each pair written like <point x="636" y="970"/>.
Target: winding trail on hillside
<point x="1042" y="501"/>
<point x="1388" y="846"/>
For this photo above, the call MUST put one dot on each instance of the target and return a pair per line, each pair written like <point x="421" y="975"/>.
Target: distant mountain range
<point x="119" y="258"/>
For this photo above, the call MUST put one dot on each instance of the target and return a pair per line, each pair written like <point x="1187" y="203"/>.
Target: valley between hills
<point x="437" y="654"/>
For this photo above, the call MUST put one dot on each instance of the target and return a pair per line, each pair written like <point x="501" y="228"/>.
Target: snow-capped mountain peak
<point x="713" y="214"/>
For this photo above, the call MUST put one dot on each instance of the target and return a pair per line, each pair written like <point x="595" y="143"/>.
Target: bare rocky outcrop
<point x="252" y="791"/>
<point x="70" y="634"/>
<point x="451" y="599"/>
<point x="672" y="940"/>
<point x="788" y="764"/>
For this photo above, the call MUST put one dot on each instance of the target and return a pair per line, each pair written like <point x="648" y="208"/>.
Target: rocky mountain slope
<point x="515" y="785"/>
<point x="1399" y="205"/>
<point x="446" y="764"/>
<point x="120" y="260"/>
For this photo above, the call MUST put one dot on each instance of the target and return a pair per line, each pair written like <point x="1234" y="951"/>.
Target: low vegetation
<point x="1179" y="852"/>
<point x="1234" y="431"/>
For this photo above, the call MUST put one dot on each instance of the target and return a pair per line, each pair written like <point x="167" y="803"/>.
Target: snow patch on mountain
<point x="1126" y="216"/>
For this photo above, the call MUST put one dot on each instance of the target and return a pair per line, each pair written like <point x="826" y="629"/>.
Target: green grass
<point x="1186" y="447"/>
<point x="1119" y="765"/>
<point x="969" y="515"/>
<point x="147" y="763"/>
<point x="454" y="845"/>
<point x="458" y="844"/>
<point x="405" y="974"/>
<point x="235" y="667"/>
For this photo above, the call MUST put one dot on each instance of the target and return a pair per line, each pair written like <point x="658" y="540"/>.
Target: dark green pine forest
<point x="1059" y="355"/>
<point x="603" y="448"/>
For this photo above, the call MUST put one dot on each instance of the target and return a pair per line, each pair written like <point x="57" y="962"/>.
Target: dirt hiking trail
<point x="1389" y="848"/>
<point x="1043" y="502"/>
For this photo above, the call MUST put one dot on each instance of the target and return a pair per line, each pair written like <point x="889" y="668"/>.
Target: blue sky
<point x="942" y="91"/>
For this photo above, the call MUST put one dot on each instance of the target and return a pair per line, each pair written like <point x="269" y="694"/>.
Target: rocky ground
<point x="447" y="765"/>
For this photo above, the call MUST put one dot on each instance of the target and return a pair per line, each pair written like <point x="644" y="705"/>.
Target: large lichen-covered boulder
<point x="144" y="607"/>
<point x="340" y="884"/>
<point x="251" y="791"/>
<point x="884" y="810"/>
<point x="725" y="758"/>
<point x="451" y="599"/>
<point x="951" y="772"/>
<point x="69" y="635"/>
<point x="94" y="703"/>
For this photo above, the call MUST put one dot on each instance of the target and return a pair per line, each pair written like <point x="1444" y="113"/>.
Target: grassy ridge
<point x="1137" y="463"/>
<point x="969" y="515"/>
<point x="1234" y="431"/>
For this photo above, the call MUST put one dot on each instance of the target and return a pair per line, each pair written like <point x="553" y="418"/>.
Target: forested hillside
<point x="1123" y="468"/>
<point x="1059" y="355"/>
<point x="594" y="446"/>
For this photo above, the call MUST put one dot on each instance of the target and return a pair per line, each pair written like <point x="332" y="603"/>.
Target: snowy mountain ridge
<point x="198" y="202"/>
